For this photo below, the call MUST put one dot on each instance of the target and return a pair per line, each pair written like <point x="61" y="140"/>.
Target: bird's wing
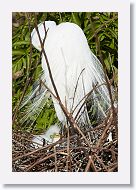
<point x="100" y="97"/>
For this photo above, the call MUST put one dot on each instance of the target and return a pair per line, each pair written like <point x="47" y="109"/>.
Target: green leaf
<point x="76" y="19"/>
<point x="18" y="52"/>
<point x="113" y="33"/>
<point x="19" y="43"/>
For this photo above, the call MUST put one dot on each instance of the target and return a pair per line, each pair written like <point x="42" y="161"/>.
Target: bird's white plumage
<point x="50" y="136"/>
<point x="75" y="69"/>
<point x="41" y="28"/>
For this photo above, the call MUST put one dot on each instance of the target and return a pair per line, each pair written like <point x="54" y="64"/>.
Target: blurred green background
<point x="101" y="30"/>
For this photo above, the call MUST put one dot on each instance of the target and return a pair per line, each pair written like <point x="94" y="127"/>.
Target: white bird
<point x="75" y="70"/>
<point x="50" y="136"/>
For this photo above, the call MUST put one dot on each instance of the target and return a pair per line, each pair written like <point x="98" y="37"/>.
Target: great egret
<point x="75" y="70"/>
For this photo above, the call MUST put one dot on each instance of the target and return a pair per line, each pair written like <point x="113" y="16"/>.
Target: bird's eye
<point x="52" y="136"/>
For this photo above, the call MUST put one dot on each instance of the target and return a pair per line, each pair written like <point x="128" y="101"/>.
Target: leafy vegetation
<point x="101" y="30"/>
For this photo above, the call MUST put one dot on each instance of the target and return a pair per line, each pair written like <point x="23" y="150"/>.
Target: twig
<point x="113" y="168"/>
<point x="104" y="132"/>
<point x="55" y="156"/>
<point x="76" y="87"/>
<point x="101" y="162"/>
<point x="90" y="164"/>
<point x="46" y="59"/>
<point x="43" y="148"/>
<point x="85" y="97"/>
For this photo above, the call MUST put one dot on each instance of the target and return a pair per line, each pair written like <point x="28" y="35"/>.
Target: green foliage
<point x="101" y="30"/>
<point x="46" y="118"/>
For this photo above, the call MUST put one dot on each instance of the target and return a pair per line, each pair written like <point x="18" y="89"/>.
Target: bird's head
<point x="49" y="25"/>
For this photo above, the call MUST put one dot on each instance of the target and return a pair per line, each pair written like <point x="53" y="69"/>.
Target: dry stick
<point x="19" y="143"/>
<point x="79" y="166"/>
<point x="68" y="151"/>
<point x="67" y="114"/>
<point x="49" y="90"/>
<point x="74" y="124"/>
<point x="76" y="87"/>
<point x="101" y="162"/>
<point x="113" y="168"/>
<point x="93" y="165"/>
<point x="111" y="150"/>
<point x="100" y="126"/>
<point x="104" y="132"/>
<point x="55" y="156"/>
<point x="47" y="157"/>
<point x="46" y="59"/>
<point x="113" y="153"/>
<point x="39" y="161"/>
<point x="50" y="73"/>
<point x="85" y="97"/>
<point x="90" y="164"/>
<point x="43" y="148"/>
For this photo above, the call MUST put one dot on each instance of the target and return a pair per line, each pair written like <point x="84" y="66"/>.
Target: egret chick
<point x="49" y="137"/>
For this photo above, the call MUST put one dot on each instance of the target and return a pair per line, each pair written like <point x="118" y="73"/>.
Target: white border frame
<point x="123" y="9"/>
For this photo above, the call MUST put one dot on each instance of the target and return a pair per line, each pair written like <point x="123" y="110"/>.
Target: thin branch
<point x="76" y="87"/>
<point x="90" y="164"/>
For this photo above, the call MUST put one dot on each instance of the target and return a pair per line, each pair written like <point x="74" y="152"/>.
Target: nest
<point x="93" y="150"/>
